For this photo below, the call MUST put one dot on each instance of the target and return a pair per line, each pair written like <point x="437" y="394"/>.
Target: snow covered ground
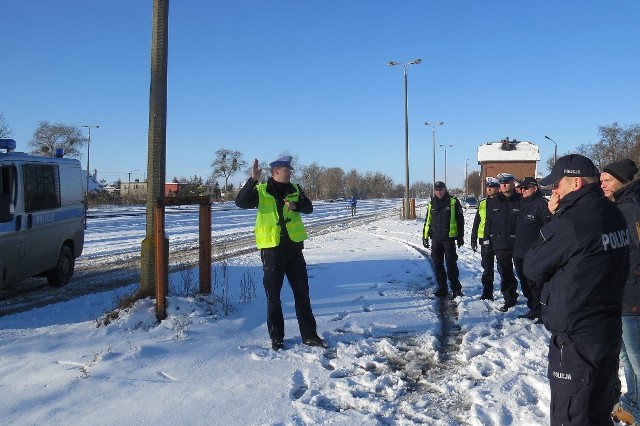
<point x="397" y="355"/>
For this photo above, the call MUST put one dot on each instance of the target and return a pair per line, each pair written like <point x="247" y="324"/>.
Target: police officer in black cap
<point x="534" y="214"/>
<point x="445" y="226"/>
<point x="480" y="234"/>
<point x="501" y="224"/>
<point x="582" y="259"/>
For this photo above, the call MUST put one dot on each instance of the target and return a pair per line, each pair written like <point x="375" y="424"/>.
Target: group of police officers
<point x="576" y="256"/>
<point x="577" y="259"/>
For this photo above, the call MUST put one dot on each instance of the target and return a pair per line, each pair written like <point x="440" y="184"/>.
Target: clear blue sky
<point x="263" y="77"/>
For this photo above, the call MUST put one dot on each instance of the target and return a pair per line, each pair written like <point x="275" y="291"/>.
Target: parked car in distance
<point x="469" y="202"/>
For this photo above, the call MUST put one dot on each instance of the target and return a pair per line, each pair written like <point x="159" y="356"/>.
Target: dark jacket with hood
<point x="534" y="214"/>
<point x="502" y="212"/>
<point x="582" y="259"/>
<point x="628" y="201"/>
<point x="248" y="198"/>
<point x="441" y="218"/>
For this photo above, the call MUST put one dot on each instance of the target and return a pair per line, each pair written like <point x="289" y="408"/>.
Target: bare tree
<point x="474" y="183"/>
<point x="311" y="180"/>
<point x="226" y="164"/>
<point x="615" y="143"/>
<point x="378" y="185"/>
<point x="49" y="137"/>
<point x="352" y="184"/>
<point x="333" y="183"/>
<point x="420" y="189"/>
<point x="5" y="131"/>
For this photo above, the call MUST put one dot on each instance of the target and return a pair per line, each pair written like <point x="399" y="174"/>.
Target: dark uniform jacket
<point x="582" y="258"/>
<point x="248" y="198"/>
<point x="628" y="201"/>
<point x="441" y="218"/>
<point x="534" y="214"/>
<point x="502" y="212"/>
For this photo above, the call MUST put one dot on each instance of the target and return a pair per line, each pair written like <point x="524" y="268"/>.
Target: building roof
<point x="507" y="150"/>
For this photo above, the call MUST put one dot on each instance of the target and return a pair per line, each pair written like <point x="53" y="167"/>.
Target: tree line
<point x="615" y="143"/>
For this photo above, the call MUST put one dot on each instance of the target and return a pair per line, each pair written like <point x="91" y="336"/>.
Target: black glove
<point x="425" y="242"/>
<point x="460" y="242"/>
<point x="474" y="245"/>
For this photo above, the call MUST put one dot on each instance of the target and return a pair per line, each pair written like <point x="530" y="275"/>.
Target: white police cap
<point x="282" y="162"/>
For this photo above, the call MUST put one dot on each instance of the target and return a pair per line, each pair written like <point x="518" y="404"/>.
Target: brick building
<point x="515" y="157"/>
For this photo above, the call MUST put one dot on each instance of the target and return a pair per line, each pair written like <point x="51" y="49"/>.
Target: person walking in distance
<point x="534" y="214"/>
<point x="479" y="235"/>
<point x="501" y="223"/>
<point x="618" y="184"/>
<point x="280" y="236"/>
<point x="444" y="225"/>
<point x="582" y="259"/>
<point x="353" y="202"/>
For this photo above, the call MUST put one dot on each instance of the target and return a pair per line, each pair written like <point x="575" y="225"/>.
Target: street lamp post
<point x="445" y="162"/>
<point x="466" y="177"/>
<point x="434" y="124"/>
<point x="555" y="149"/>
<point x="407" y="214"/>
<point x="86" y="205"/>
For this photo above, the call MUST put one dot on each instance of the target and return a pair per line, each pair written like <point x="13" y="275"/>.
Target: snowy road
<point x="111" y="256"/>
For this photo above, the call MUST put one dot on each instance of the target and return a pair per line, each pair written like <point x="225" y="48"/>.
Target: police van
<point x="42" y="210"/>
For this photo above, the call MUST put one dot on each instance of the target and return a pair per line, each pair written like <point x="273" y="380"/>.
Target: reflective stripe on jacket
<point x="267" y="228"/>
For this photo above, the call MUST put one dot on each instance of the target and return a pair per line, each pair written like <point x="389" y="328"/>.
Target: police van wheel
<point x="62" y="272"/>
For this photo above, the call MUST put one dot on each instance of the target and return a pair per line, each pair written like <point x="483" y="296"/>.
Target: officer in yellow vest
<point x="478" y="233"/>
<point x="444" y="225"/>
<point x="279" y="235"/>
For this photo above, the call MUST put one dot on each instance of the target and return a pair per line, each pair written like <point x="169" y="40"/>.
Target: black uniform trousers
<point x="487" y="262"/>
<point x="529" y="288"/>
<point x="508" y="281"/>
<point x="584" y="381"/>
<point x="276" y="263"/>
<point x="441" y="251"/>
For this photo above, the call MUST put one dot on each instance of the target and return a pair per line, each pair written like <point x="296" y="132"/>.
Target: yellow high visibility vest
<point x="453" y="224"/>
<point x="482" y="211"/>
<point x="267" y="228"/>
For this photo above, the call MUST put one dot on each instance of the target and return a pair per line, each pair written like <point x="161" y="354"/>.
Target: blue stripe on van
<point x="7" y="227"/>
<point x="45" y="218"/>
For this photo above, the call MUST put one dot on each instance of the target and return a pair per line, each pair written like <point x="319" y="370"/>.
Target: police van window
<point x="41" y="187"/>
<point x="7" y="192"/>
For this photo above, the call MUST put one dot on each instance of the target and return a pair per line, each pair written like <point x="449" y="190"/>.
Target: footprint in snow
<point x="298" y="385"/>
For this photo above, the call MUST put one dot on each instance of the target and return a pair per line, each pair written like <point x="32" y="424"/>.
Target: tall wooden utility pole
<point x="156" y="162"/>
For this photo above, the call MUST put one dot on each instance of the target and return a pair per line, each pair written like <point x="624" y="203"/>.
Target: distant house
<point x="508" y="156"/>
<point x="135" y="189"/>
<point x="175" y="189"/>
<point x="92" y="181"/>
<point x="172" y="189"/>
